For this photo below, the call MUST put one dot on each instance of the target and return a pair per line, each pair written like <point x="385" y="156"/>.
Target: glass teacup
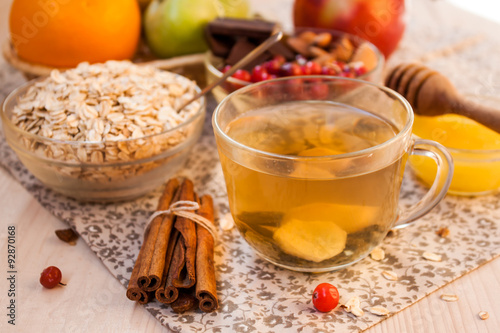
<point x="313" y="168"/>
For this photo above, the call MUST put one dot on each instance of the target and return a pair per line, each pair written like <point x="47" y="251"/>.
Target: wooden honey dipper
<point x="431" y="94"/>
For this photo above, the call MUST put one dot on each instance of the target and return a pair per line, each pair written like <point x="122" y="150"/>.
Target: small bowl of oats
<point x="104" y="132"/>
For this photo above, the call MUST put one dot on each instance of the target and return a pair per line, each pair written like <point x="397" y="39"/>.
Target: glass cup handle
<point x="438" y="189"/>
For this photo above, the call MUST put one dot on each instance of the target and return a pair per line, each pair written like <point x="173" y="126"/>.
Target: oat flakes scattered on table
<point x="391" y="276"/>
<point x="432" y="256"/>
<point x="353" y="306"/>
<point x="377" y="254"/>
<point x="379" y="311"/>
<point x="449" y="297"/>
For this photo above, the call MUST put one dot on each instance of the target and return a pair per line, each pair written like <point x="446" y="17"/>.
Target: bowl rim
<point x="468" y="151"/>
<point x="6" y="121"/>
<point x="209" y="56"/>
<point x="400" y="135"/>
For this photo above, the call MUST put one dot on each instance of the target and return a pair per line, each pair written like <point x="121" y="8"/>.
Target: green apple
<point x="235" y="8"/>
<point x="175" y="27"/>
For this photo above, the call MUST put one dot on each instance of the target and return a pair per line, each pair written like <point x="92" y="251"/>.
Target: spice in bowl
<point x="104" y="131"/>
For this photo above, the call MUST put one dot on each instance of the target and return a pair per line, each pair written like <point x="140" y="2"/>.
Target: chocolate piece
<point x="255" y="29"/>
<point x="242" y="47"/>
<point x="281" y="49"/>
<point x="220" y="46"/>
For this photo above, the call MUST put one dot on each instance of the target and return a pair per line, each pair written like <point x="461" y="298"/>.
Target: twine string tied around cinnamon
<point x="184" y="208"/>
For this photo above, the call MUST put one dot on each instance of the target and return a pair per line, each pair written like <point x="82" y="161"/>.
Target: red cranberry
<point x="340" y="64"/>
<point x="319" y="91"/>
<point x="50" y="277"/>
<point x="306" y="70"/>
<point x="273" y="66"/>
<point x="280" y="59"/>
<point x="226" y="68"/>
<point x="242" y="75"/>
<point x="360" y="70"/>
<point x="328" y="71"/>
<point x="259" y="73"/>
<point x="301" y="60"/>
<point x="311" y="68"/>
<point x="290" y="69"/>
<point x="295" y="87"/>
<point x="348" y="74"/>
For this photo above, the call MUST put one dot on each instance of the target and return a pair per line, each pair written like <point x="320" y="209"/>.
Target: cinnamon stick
<point x="206" y="289"/>
<point x="184" y="274"/>
<point x="156" y="241"/>
<point x="134" y="292"/>
<point x="185" y="302"/>
<point x="163" y="293"/>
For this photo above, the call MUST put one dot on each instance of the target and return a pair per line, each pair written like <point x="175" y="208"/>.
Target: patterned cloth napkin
<point x="256" y="296"/>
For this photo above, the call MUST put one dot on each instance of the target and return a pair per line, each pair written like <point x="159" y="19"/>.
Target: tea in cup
<point x="313" y="169"/>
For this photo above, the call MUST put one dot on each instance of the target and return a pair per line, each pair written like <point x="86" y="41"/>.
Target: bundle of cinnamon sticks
<point x="176" y="262"/>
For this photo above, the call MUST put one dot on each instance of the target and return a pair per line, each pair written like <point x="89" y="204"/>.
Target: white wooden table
<point x="94" y="301"/>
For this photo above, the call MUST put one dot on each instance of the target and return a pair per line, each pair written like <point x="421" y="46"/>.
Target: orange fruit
<point x="63" y="33"/>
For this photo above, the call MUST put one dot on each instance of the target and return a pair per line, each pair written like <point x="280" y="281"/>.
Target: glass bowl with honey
<point x="474" y="147"/>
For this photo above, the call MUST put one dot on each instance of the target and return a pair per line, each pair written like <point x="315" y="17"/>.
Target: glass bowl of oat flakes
<point x="104" y="132"/>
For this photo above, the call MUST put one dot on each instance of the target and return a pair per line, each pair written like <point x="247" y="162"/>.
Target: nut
<point x="322" y="39"/>
<point x="431" y="256"/>
<point x="344" y="50"/>
<point x="390" y="275"/>
<point x="443" y="232"/>
<point x="449" y="297"/>
<point x="67" y="235"/>
<point x="377" y="254"/>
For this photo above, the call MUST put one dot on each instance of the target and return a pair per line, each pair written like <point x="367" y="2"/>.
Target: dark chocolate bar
<point x="255" y="29"/>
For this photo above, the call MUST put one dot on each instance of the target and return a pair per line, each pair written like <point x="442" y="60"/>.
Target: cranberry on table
<point x="325" y="297"/>
<point x="51" y="277"/>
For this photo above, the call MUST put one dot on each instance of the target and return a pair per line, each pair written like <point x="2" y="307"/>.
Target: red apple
<point x="381" y="22"/>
